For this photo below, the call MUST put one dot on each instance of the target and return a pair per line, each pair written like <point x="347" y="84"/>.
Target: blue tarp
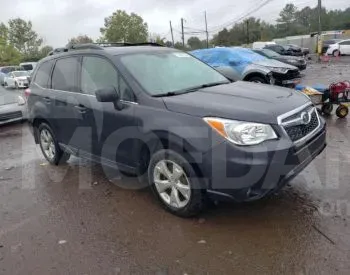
<point x="219" y="57"/>
<point x="224" y="55"/>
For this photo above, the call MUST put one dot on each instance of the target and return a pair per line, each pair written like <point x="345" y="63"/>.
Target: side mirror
<point x="109" y="94"/>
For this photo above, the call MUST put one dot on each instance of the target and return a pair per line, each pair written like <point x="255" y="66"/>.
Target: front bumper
<point x="23" y="84"/>
<point x="247" y="173"/>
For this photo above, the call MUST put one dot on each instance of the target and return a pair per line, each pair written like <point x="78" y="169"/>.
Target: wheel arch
<point x="159" y="140"/>
<point x="256" y="74"/>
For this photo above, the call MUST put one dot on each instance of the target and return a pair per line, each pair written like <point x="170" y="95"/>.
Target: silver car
<point x="12" y="108"/>
<point x="243" y="64"/>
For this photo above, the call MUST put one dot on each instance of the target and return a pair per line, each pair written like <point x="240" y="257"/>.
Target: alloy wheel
<point x="47" y="144"/>
<point x="172" y="184"/>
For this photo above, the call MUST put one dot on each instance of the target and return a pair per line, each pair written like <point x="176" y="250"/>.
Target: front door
<point x="109" y="131"/>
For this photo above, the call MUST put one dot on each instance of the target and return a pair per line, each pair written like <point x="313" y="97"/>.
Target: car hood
<point x="240" y="100"/>
<point x="289" y="57"/>
<point x="274" y="63"/>
<point x="22" y="77"/>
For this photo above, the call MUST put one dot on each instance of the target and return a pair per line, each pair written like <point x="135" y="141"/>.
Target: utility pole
<point x="206" y="28"/>
<point x="319" y="37"/>
<point x="172" y="35"/>
<point x="247" y="22"/>
<point x="182" y="32"/>
<point x="319" y="17"/>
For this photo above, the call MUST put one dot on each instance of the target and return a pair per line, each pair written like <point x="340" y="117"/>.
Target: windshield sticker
<point x="181" y="54"/>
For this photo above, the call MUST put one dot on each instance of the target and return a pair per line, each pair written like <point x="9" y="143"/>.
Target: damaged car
<point x="244" y="64"/>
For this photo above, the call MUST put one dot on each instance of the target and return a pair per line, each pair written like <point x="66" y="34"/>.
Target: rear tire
<point x="336" y="53"/>
<point x="175" y="184"/>
<point x="49" y="145"/>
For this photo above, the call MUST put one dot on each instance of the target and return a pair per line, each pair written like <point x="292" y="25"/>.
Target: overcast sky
<point x="58" y="20"/>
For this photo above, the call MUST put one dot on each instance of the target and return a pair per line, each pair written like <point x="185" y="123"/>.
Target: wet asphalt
<point x="71" y="220"/>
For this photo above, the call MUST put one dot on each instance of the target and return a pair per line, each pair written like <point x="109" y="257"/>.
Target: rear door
<point x="63" y="98"/>
<point x="109" y="128"/>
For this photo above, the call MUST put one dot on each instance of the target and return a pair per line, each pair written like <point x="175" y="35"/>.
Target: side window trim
<point x="76" y="80"/>
<point x="120" y="76"/>
<point x="48" y="84"/>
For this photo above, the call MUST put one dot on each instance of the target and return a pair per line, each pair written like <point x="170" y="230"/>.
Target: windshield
<point x="164" y="72"/>
<point x="270" y="53"/>
<point x="20" y="73"/>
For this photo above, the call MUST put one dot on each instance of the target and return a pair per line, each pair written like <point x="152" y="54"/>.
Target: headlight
<point x="278" y="70"/>
<point x="21" y="101"/>
<point x="292" y="61"/>
<point x="241" y="132"/>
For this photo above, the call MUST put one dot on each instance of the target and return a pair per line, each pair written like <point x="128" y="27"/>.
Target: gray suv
<point x="172" y="120"/>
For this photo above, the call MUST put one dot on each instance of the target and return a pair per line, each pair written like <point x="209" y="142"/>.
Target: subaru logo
<point x="305" y="117"/>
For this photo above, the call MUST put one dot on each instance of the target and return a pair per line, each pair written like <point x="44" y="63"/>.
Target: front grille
<point x="9" y="116"/>
<point x="299" y="131"/>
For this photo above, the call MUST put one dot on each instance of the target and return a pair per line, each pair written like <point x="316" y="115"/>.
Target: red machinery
<point x="339" y="94"/>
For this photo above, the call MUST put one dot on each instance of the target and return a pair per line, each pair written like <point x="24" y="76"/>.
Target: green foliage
<point x="195" y="43"/>
<point x="80" y="39"/>
<point x="9" y="55"/>
<point x="291" y="22"/>
<point x="23" y="37"/>
<point x="122" y="27"/>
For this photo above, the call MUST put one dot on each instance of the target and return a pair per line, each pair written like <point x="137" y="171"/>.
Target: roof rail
<point x="100" y="46"/>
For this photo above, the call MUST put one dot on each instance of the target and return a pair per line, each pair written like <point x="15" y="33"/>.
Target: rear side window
<point x="64" y="76"/>
<point x="43" y="74"/>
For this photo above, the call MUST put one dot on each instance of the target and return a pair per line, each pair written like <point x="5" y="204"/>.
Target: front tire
<point x="175" y="184"/>
<point x="336" y="53"/>
<point x="327" y="108"/>
<point x="49" y="145"/>
<point x="258" y="79"/>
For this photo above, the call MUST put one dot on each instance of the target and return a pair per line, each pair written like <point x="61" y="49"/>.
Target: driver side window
<point x="97" y="73"/>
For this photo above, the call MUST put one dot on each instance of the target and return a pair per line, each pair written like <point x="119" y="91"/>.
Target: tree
<point x="9" y="55"/>
<point x="287" y="19"/>
<point x="3" y="34"/>
<point x="80" y="39"/>
<point x="44" y="51"/>
<point x="122" y="27"/>
<point x="195" y="43"/>
<point x="23" y="37"/>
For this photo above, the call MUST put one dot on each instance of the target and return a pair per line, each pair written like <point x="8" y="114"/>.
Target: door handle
<point x="81" y="108"/>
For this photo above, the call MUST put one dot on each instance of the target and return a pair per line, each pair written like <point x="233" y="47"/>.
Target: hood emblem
<point x="305" y="117"/>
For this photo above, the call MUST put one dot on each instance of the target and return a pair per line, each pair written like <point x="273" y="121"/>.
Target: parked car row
<point x="16" y="76"/>
<point x="191" y="132"/>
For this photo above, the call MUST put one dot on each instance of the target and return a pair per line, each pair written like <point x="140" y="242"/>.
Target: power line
<point x="255" y="9"/>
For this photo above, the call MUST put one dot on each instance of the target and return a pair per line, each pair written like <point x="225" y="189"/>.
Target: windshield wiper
<point x="192" y="89"/>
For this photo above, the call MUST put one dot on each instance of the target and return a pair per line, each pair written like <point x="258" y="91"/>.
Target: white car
<point x="342" y="47"/>
<point x="17" y="79"/>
